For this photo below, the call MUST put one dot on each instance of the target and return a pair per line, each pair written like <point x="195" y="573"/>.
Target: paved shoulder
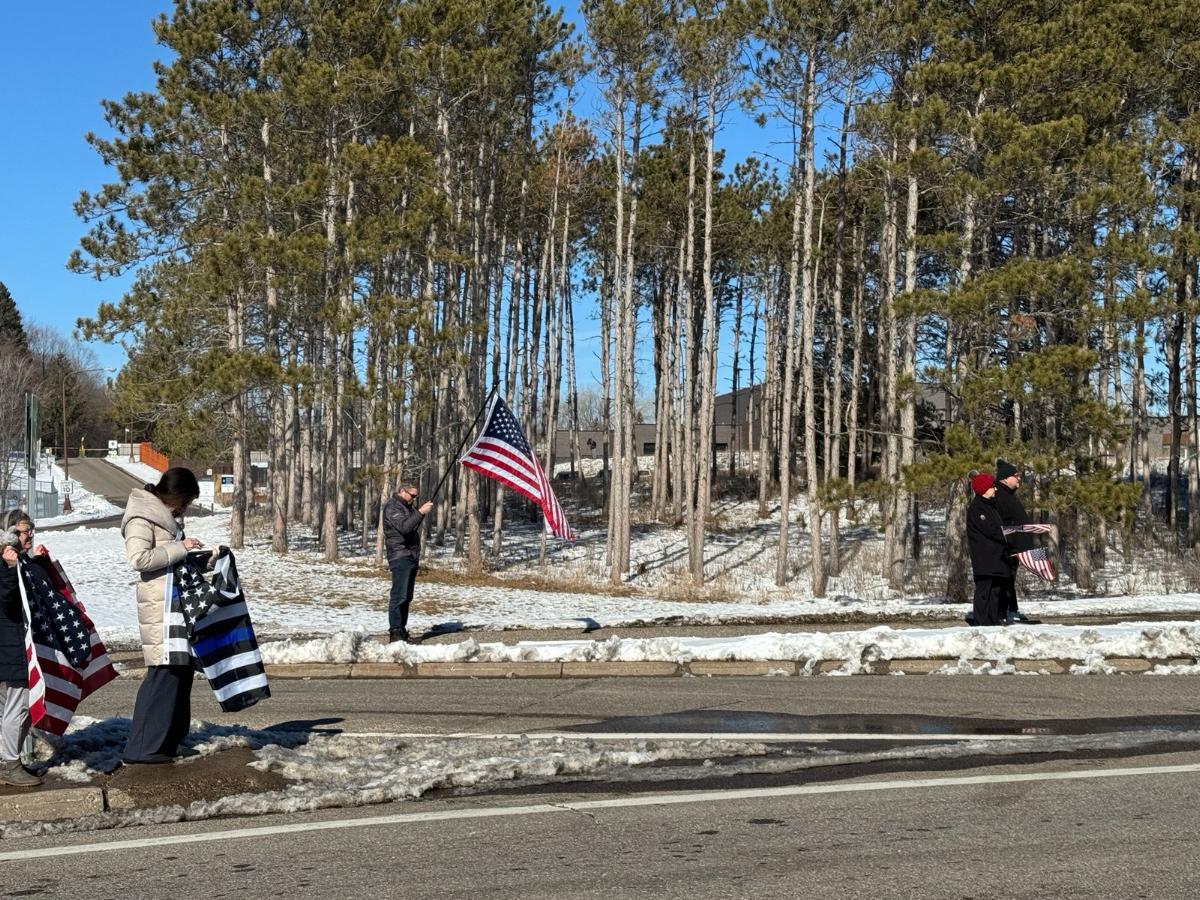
<point x="101" y="477"/>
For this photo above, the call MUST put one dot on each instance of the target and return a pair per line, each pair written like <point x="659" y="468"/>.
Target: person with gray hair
<point x="14" y="726"/>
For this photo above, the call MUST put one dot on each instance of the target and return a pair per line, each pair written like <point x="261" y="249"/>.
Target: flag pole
<point x="457" y="453"/>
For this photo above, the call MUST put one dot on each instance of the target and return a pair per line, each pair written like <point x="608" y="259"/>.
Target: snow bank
<point x="1091" y="645"/>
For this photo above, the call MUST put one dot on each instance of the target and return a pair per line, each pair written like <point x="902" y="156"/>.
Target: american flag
<point x="66" y="659"/>
<point x="1038" y="562"/>
<point x="1032" y="528"/>
<point x="503" y="454"/>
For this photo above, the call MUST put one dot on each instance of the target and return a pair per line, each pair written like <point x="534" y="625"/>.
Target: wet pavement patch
<point x="179" y="784"/>
<point x="748" y="723"/>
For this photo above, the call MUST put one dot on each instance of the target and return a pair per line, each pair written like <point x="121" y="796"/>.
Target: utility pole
<point x="66" y="452"/>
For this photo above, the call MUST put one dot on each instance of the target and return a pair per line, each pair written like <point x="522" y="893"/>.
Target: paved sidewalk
<point x="140" y="787"/>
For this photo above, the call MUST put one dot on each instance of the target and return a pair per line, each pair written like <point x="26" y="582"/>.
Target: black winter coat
<point x="986" y="542"/>
<point x="401" y="529"/>
<point x="1012" y="512"/>
<point x="12" y="627"/>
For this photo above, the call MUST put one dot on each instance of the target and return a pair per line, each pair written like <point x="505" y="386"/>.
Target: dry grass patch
<point x="680" y="589"/>
<point x="529" y="582"/>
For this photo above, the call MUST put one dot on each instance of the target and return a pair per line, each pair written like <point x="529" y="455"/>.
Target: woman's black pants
<point x="162" y="714"/>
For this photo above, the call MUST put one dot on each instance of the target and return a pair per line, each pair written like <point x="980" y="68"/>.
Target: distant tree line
<point x="62" y="375"/>
<point x="350" y="220"/>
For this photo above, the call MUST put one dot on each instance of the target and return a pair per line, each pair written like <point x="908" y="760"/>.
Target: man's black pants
<point x="1008" y="608"/>
<point x="404" y="579"/>
<point x="989" y="601"/>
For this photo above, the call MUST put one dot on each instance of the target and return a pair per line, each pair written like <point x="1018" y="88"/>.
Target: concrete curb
<point x="701" y="668"/>
<point x="51" y="804"/>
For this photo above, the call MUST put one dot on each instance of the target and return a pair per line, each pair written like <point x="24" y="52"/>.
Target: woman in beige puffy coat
<point x="154" y="545"/>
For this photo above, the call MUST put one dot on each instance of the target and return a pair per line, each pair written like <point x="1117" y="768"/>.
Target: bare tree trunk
<point x="679" y="401"/>
<point x="809" y="298"/>
<point x="735" y="443"/>
<point x="957" y="563"/>
<point x="278" y="433"/>
<point x="237" y="519"/>
<point x="789" y="367"/>
<point x="708" y="373"/>
<point x="888" y="389"/>
<point x="857" y="317"/>
<point x="767" y="420"/>
<point x="1193" y="432"/>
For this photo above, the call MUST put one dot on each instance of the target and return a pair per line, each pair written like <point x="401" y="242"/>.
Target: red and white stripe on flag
<point x="1038" y="562"/>
<point x="1032" y="528"/>
<point x="502" y="453"/>
<point x="56" y="687"/>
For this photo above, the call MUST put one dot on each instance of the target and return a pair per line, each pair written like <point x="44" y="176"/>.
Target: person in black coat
<point x="402" y="520"/>
<point x="1012" y="512"/>
<point x="17" y="540"/>
<point x="990" y="564"/>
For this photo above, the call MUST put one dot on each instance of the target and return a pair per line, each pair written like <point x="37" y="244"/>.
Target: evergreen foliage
<point x="351" y="222"/>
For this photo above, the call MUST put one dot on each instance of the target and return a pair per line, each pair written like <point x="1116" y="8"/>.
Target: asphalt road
<point x="102" y="478"/>
<point x="1092" y="824"/>
<point x="1094" y="837"/>
<point x="918" y="703"/>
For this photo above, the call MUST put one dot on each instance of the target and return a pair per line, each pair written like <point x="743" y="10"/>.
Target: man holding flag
<point x="1013" y="515"/>
<point x="402" y="519"/>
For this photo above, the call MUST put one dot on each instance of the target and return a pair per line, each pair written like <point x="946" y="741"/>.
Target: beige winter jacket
<point x="153" y="546"/>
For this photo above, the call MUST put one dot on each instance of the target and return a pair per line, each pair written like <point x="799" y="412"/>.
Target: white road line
<point x="738" y="736"/>
<point x="495" y="812"/>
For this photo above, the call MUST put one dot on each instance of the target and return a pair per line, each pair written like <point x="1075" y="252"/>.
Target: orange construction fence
<point x="153" y="458"/>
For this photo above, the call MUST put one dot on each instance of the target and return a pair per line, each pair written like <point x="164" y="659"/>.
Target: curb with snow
<point x="1161" y="648"/>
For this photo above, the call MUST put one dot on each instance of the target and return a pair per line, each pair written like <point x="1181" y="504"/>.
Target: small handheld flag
<point x="1036" y="560"/>
<point x="502" y="454"/>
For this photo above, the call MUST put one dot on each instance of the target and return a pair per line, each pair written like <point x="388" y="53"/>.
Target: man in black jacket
<point x="989" y="551"/>
<point x="402" y="539"/>
<point x="1012" y="512"/>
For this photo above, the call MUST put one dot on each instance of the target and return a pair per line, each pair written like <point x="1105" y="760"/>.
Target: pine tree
<point x="12" y="329"/>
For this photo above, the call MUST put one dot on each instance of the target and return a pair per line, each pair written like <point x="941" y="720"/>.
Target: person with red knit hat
<point x="989" y="550"/>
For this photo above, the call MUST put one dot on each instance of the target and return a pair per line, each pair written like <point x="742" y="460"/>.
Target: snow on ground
<point x="307" y="609"/>
<point x="143" y="472"/>
<point x="301" y="594"/>
<point x="1090" y="646"/>
<point x="85" y="506"/>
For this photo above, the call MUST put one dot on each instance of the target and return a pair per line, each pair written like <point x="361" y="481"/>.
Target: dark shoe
<point x="14" y="774"/>
<point x="401" y="635"/>
<point x="970" y="618"/>
<point x="182" y="752"/>
<point x="155" y="759"/>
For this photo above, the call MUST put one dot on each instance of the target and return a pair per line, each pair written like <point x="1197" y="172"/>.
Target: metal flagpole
<point x="463" y="442"/>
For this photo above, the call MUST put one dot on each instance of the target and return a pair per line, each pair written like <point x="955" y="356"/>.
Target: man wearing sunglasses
<point x="402" y="519"/>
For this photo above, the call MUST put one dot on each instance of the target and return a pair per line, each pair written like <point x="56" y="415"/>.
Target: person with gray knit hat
<point x="17" y="540"/>
<point x="1012" y="512"/>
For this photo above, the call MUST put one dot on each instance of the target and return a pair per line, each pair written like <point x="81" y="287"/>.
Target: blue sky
<point x="59" y="61"/>
<point x="56" y="68"/>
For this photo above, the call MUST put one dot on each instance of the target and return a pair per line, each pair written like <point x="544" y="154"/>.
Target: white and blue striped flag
<point x="219" y="634"/>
